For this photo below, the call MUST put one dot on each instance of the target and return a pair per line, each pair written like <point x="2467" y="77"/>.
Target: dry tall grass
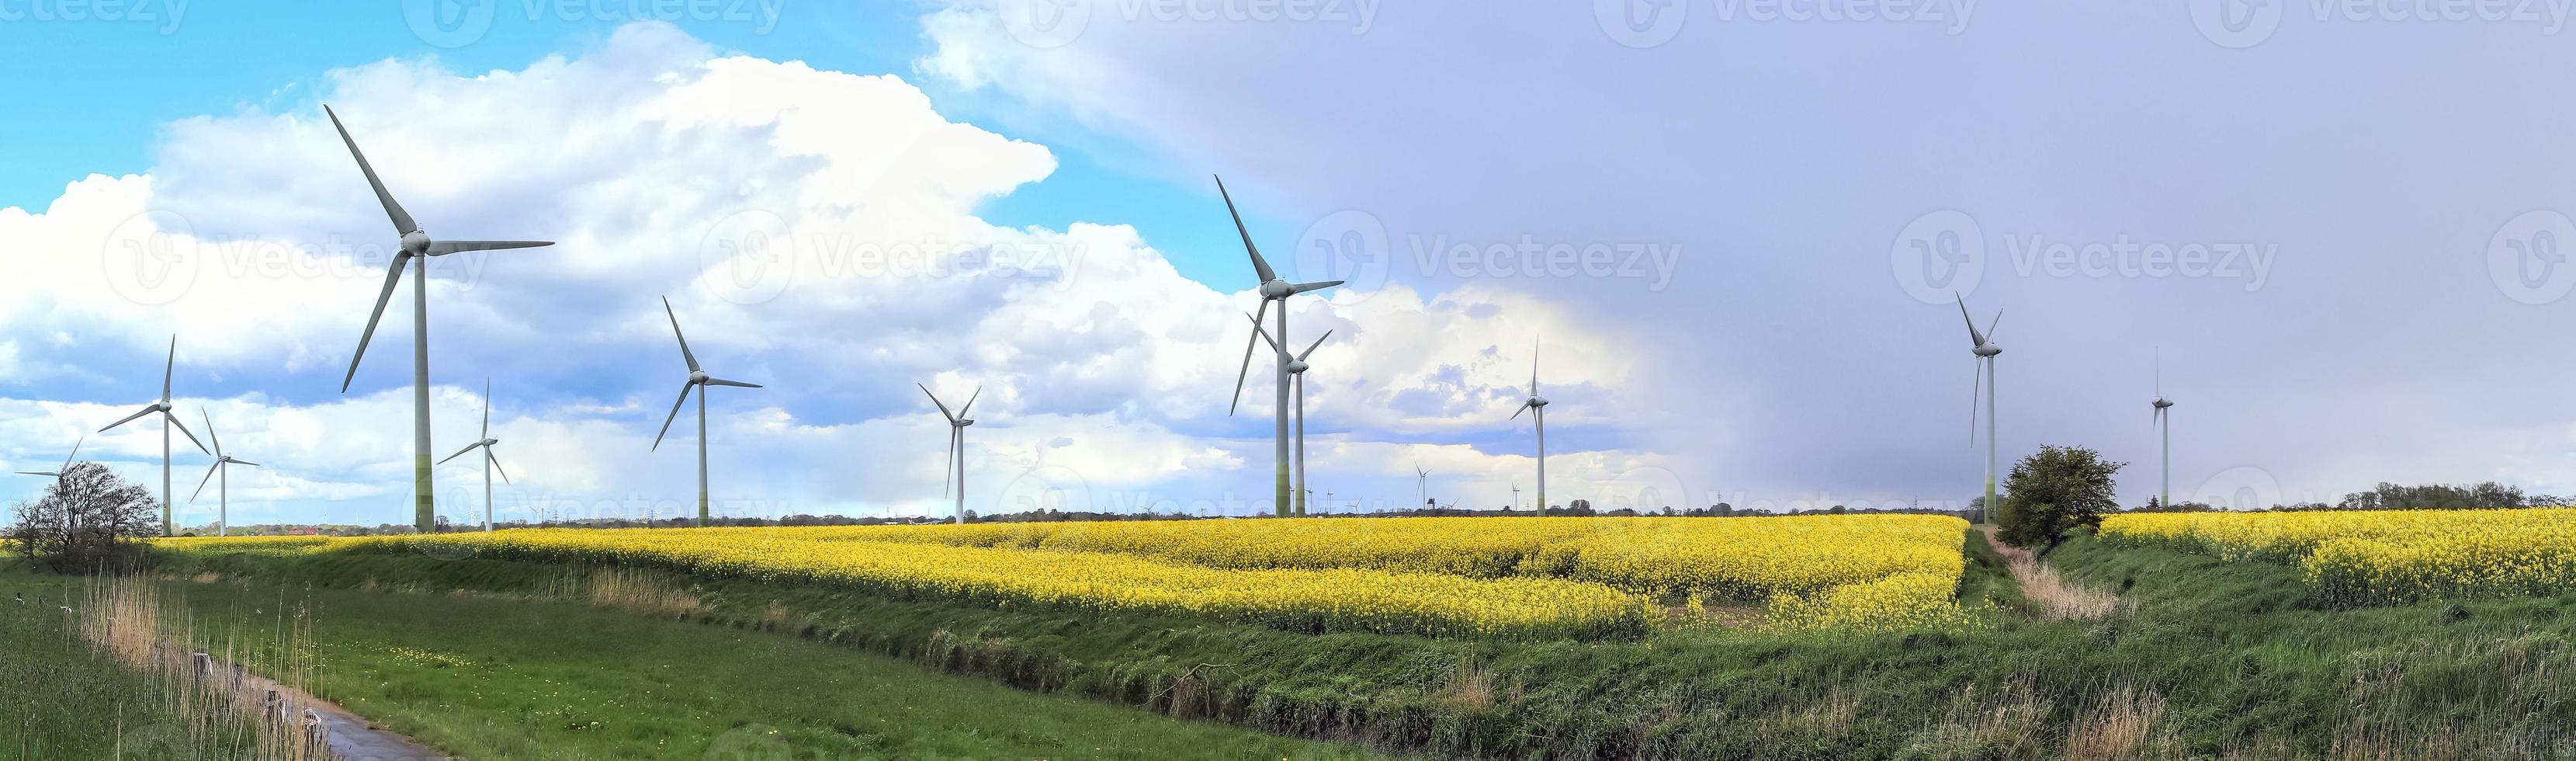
<point x="216" y="711"/>
<point x="2054" y="596"/>
<point x="633" y="591"/>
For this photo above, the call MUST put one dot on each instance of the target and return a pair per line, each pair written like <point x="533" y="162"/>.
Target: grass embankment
<point x="484" y="676"/>
<point x="2202" y="659"/>
<point x="70" y="697"/>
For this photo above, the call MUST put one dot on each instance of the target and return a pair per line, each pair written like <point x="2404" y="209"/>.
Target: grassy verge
<point x="2204" y="660"/>
<point x="485" y="676"/>
<point x="69" y="698"/>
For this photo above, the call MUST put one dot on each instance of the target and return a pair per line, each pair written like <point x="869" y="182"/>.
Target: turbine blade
<point x="402" y="220"/>
<point x="1265" y="334"/>
<point x="1974" y="399"/>
<point x="487" y="408"/>
<point x="167" y="365"/>
<point x="244" y="462"/>
<point x="1314" y="286"/>
<point x="128" y="419"/>
<point x="173" y="420"/>
<point x="211" y="434"/>
<point x="1516" y="414"/>
<point x="737" y="384"/>
<point x="1319" y="341"/>
<point x="496" y="464"/>
<point x="76" y="445"/>
<point x="1533" y="367"/>
<point x="1975" y="339"/>
<point x="459" y="453"/>
<point x="675" y="415"/>
<point x="445" y="247"/>
<point x="948" y="464"/>
<point x="1259" y="267"/>
<point x="1246" y="367"/>
<point x="692" y="359"/>
<point x="393" y="277"/>
<point x="934" y="399"/>
<point x="1990" y="323"/>
<point x="33" y="473"/>
<point x="970" y="401"/>
<point x="201" y="484"/>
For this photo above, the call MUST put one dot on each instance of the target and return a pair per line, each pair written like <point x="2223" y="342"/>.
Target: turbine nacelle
<point x="1537" y="401"/>
<point x="1297" y="367"/>
<point x="1988" y="349"/>
<point x="698" y="377"/>
<point x="2161" y="403"/>
<point x="416" y="243"/>
<point x="1277" y="288"/>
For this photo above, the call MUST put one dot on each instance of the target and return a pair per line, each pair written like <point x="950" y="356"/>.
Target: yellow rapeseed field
<point x="2382" y="556"/>
<point x="1448" y="577"/>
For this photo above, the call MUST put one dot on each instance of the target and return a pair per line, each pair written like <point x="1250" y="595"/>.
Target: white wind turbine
<point x="1296" y="368"/>
<point x="1537" y="407"/>
<point x="490" y="463"/>
<point x="416" y="248"/>
<point x="223" y="468"/>
<point x="956" y="461"/>
<point x="67" y="461"/>
<point x="1273" y="288"/>
<point x="168" y="421"/>
<point x="698" y="380"/>
<point x="1421" y="486"/>
<point x="1982" y="344"/>
<point x="2164" y="435"/>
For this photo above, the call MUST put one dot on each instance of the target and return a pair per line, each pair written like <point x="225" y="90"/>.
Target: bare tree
<point x="88" y="521"/>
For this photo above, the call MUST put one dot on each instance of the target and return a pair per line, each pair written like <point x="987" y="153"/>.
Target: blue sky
<point x="1711" y="225"/>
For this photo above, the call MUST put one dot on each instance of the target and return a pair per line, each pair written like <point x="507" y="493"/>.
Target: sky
<point x="1731" y="235"/>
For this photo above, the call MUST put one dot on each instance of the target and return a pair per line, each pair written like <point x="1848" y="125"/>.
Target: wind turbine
<point x="415" y="249"/>
<point x="1537" y="407"/>
<point x="2164" y="435"/>
<point x="1296" y="367"/>
<point x="223" y="467"/>
<point x="1516" y="497"/>
<point x="168" y="421"/>
<point x="1981" y="343"/>
<point x="67" y="461"/>
<point x="1273" y="288"/>
<point x="699" y="380"/>
<point x="956" y="445"/>
<point x="490" y="463"/>
<point x="1421" y="485"/>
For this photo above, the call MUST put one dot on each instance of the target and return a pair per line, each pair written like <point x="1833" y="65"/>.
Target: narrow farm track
<point x="2052" y="596"/>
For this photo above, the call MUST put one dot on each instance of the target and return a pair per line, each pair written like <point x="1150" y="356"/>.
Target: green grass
<point x="68" y="700"/>
<point x="491" y="677"/>
<point x="2228" y="660"/>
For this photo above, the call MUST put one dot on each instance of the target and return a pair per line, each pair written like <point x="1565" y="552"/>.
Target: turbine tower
<point x="1297" y="373"/>
<point x="2164" y="434"/>
<point x="698" y="380"/>
<point x="956" y="462"/>
<point x="490" y="463"/>
<point x="1537" y="407"/>
<point x="1273" y="288"/>
<point x="415" y="249"/>
<point x="168" y="421"/>
<point x="1981" y="343"/>
<point x="223" y="468"/>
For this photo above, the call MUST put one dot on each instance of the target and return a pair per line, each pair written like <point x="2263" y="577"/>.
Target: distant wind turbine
<point x="168" y="421"/>
<point x="67" y="461"/>
<point x="1273" y="288"/>
<point x="956" y="445"/>
<point x="1421" y="485"/>
<point x="698" y="380"/>
<point x="1981" y="343"/>
<point x="2164" y="434"/>
<point x="416" y="248"/>
<point x="223" y="468"/>
<point x="1296" y="368"/>
<point x="1537" y="407"/>
<point x="490" y="463"/>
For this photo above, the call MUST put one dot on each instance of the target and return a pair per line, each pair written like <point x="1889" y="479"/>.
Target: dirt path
<point x="349" y="736"/>
<point x="2054" y="597"/>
